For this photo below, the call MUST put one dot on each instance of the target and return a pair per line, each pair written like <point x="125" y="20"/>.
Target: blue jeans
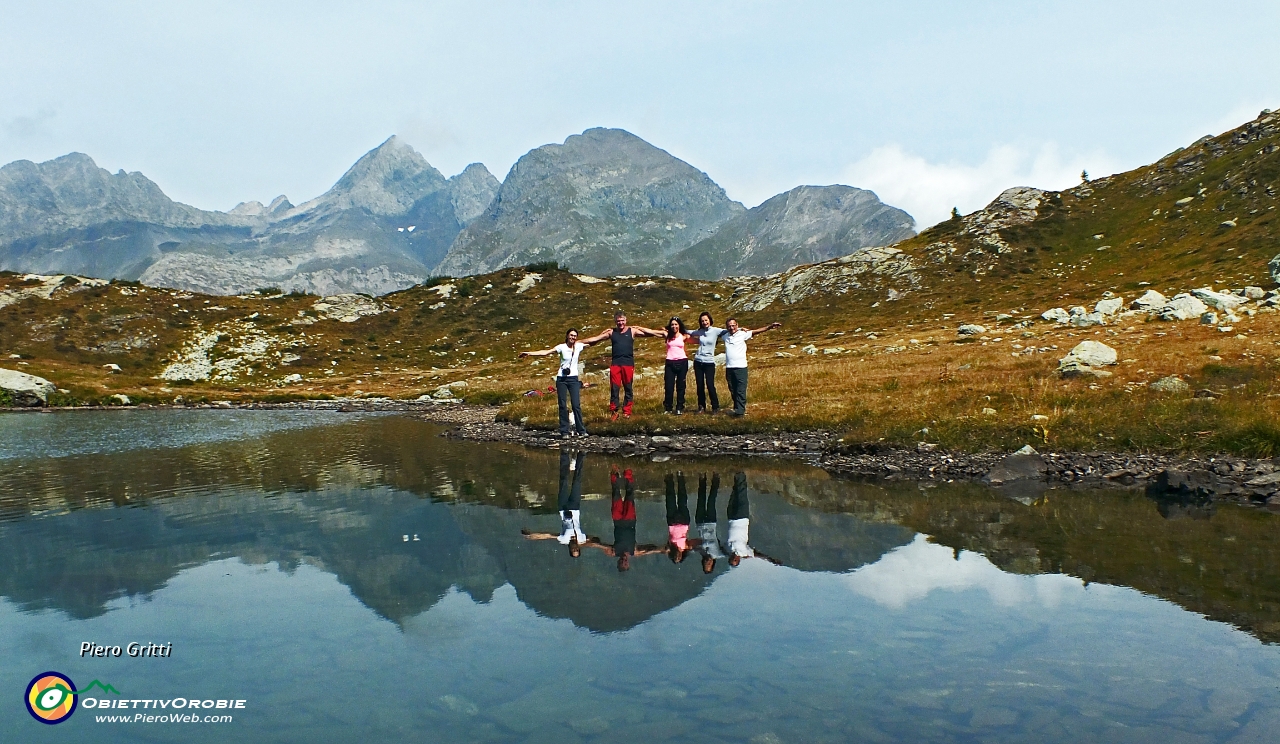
<point x="569" y="391"/>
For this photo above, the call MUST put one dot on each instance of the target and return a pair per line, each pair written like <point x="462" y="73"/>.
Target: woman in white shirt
<point x="568" y="385"/>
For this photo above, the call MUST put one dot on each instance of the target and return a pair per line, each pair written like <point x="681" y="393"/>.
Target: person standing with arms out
<point x="624" y="521"/>
<point x="739" y="513"/>
<point x="568" y="385"/>
<point x="735" y="366"/>
<point x="569" y="506"/>
<point x="677" y="367"/>
<point x="677" y="518"/>
<point x="707" y="542"/>
<point x="704" y="363"/>
<point x="622" y="367"/>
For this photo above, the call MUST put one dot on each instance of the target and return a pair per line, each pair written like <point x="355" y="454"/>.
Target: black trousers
<point x="569" y="391"/>
<point x="677" y="500"/>
<point x="739" y="505"/>
<point x="704" y="373"/>
<point x="707" y="503"/>
<point x="570" y="496"/>
<point x="737" y="379"/>
<point x="673" y="379"/>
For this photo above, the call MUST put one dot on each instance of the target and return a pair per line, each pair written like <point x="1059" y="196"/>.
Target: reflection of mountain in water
<point x="344" y="498"/>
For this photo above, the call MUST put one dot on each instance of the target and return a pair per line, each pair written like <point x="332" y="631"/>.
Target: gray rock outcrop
<point x="22" y="389"/>
<point x="805" y="225"/>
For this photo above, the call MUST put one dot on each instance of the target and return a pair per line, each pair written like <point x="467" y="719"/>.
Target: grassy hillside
<point x="888" y="364"/>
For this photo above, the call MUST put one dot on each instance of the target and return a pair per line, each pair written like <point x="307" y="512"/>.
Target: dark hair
<point x="707" y="315"/>
<point x="566" y="334"/>
<point x="731" y="320"/>
<point x="679" y="324"/>
<point x="619" y="314"/>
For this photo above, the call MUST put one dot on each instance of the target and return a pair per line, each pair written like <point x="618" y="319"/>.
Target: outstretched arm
<point x="543" y="352"/>
<point x="538" y="535"/>
<point x="769" y="327"/>
<point x="602" y="335"/>
<point x="641" y="331"/>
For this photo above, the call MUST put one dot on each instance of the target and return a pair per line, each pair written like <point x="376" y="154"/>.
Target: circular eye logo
<point x="51" y="698"/>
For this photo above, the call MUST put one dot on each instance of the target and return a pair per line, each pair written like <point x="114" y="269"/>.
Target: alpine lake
<point x="357" y="577"/>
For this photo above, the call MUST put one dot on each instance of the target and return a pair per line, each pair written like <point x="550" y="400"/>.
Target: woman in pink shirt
<point x="677" y="367"/>
<point x="677" y="518"/>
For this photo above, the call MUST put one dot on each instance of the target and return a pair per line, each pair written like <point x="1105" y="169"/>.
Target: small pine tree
<point x="955" y="213"/>
<point x="1084" y="176"/>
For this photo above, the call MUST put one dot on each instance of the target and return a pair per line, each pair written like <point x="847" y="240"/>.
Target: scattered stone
<point x="1057" y="315"/>
<point x="122" y="399"/>
<point x="1170" y="384"/>
<point x="971" y="329"/>
<point x="292" y="379"/>
<point x="1209" y="318"/>
<point x="810" y="349"/>
<point x="1273" y="266"/>
<point x="1253" y="293"/>
<point x="1228" y="224"/>
<point x="1039" y="417"/>
<point x="25" y="390"/>
<point x="1184" y="201"/>
<point x="988" y="412"/>
<point x="112" y="368"/>
<point x="1027" y="450"/>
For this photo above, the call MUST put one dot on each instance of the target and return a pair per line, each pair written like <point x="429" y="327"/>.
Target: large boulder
<point x="1149" y="300"/>
<point x="1057" y="315"/>
<point x="1274" y="267"/>
<point x="1086" y="359"/>
<point x="1225" y="301"/>
<point x="1092" y="353"/>
<point x="25" y="390"/>
<point x="1109" y="306"/>
<point x="1182" y="307"/>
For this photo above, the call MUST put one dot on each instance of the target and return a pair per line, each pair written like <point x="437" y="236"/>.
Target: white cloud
<point x="929" y="190"/>
<point x="909" y="573"/>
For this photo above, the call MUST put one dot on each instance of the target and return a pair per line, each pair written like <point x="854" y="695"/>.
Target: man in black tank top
<point x="622" y="367"/>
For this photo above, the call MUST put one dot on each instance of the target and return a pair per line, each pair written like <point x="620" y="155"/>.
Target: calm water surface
<point x="358" y="577"/>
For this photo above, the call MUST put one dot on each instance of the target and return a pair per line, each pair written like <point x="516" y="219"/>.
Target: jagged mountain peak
<point x="386" y="180"/>
<point x="471" y="191"/>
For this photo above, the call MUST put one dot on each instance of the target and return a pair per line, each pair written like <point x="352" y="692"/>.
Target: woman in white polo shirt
<point x="735" y="366"/>
<point x="568" y="386"/>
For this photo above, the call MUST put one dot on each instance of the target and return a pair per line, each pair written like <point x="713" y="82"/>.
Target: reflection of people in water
<point x="624" y="521"/>
<point x="707" y="542"/>
<point x="568" y="506"/>
<point x="740" y="524"/>
<point x="677" y="518"/>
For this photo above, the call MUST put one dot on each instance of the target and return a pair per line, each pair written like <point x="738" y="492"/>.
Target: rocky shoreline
<point x="1024" y="475"/>
<point x="1183" y="482"/>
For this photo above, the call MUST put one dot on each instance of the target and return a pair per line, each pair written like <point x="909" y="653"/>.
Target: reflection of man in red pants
<point x="622" y="368"/>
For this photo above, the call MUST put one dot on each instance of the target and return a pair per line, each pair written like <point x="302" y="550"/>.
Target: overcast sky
<point x="931" y="104"/>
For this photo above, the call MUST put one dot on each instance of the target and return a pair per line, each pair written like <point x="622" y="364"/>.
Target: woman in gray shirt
<point x="704" y="362"/>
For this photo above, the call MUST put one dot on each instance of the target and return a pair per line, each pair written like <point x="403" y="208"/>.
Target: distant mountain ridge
<point x="603" y="202"/>
<point x="805" y="225"/>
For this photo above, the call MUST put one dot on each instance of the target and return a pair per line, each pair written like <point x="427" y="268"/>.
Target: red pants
<point x="621" y="377"/>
